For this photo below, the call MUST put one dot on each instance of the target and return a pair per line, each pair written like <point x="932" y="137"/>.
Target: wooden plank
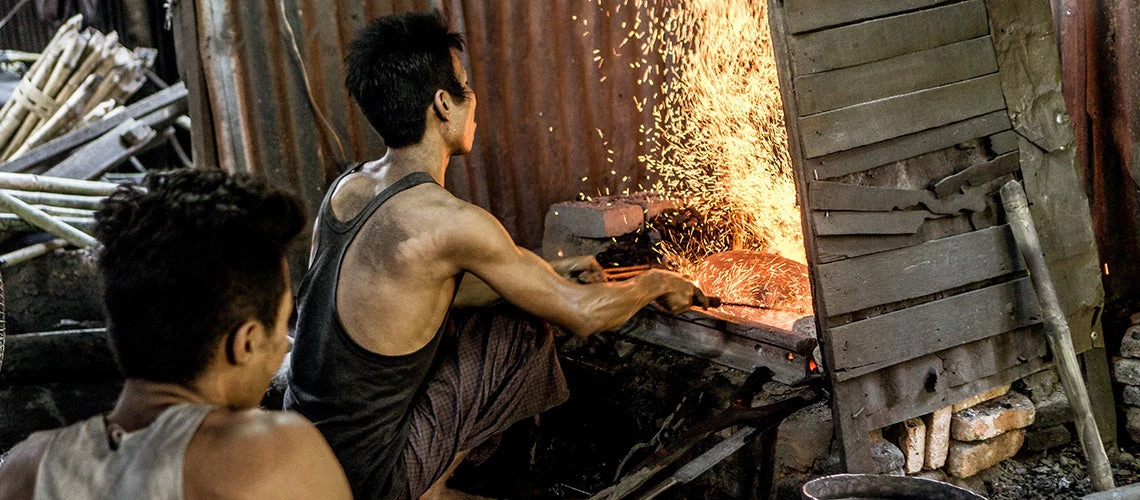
<point x="887" y="37"/>
<point x="863" y="124"/>
<point x="104" y="153"/>
<point x="833" y="248"/>
<point x="850" y="223"/>
<point x="1099" y="381"/>
<point x="883" y="278"/>
<point x="823" y="195"/>
<point x="941" y="324"/>
<point x="808" y="15"/>
<point x="978" y="175"/>
<point x="895" y="76"/>
<point x="876" y="155"/>
<point x="1003" y="142"/>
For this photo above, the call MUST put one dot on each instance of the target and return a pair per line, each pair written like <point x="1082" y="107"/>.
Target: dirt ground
<point x="1059" y="473"/>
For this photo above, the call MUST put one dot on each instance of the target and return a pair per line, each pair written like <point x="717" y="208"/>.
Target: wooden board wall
<point x="905" y="117"/>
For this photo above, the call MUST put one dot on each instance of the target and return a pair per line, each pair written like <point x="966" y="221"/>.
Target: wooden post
<point x="1057" y="332"/>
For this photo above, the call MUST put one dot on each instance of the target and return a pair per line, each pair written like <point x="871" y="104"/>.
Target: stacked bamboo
<point x="63" y="207"/>
<point x="79" y="76"/>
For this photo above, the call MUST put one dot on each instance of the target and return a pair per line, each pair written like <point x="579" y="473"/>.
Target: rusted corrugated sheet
<point x="546" y="121"/>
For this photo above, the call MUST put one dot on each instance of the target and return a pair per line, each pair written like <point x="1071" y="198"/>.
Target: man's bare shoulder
<point x="262" y="454"/>
<point x="18" y="467"/>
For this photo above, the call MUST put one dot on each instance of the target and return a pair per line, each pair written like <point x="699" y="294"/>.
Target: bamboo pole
<point x="101" y="46"/>
<point x="1057" y="333"/>
<point x="59" y="200"/>
<point x="46" y="222"/>
<point x="63" y="118"/>
<point x="14" y="118"/>
<point x="30" y="252"/>
<point x="13" y="223"/>
<point x="50" y="80"/>
<point x="29" y="182"/>
<point x="75" y="21"/>
<point x="64" y="211"/>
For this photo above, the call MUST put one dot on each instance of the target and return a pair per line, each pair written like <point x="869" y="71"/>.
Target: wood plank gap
<point x="978" y="175"/>
<point x="824" y="195"/>
<point x="811" y="15"/>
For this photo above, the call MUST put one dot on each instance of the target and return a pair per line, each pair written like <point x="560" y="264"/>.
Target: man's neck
<point x="142" y="401"/>
<point x="423" y="157"/>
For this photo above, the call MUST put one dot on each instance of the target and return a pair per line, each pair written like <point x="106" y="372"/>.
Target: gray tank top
<point x="79" y="462"/>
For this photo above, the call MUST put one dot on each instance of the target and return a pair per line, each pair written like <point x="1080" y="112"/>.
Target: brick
<point x="1130" y="344"/>
<point x="985" y="396"/>
<point x="595" y="219"/>
<point x="968" y="458"/>
<point x="559" y="242"/>
<point x="991" y="418"/>
<point x="1052" y="410"/>
<point x="1046" y="438"/>
<point x="887" y="458"/>
<point x="1131" y="395"/>
<point x="910" y="437"/>
<point x="1132" y="423"/>
<point x="804" y="438"/>
<point x="1126" y="370"/>
<point x="937" y="437"/>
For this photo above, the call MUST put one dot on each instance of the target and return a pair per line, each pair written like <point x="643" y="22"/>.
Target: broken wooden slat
<point x="1004" y="142"/>
<point x="978" y="174"/>
<point x="899" y="75"/>
<point x="877" y="121"/>
<point x="883" y="278"/>
<point x="846" y="223"/>
<point x="881" y="153"/>
<point x="887" y="37"/>
<point x="823" y="195"/>
<point x="92" y="160"/>
<point x="808" y="15"/>
<point x="834" y="248"/>
<point x="941" y="324"/>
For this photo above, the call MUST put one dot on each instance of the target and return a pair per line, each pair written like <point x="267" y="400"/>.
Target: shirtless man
<point x="400" y="387"/>
<point x="195" y="287"/>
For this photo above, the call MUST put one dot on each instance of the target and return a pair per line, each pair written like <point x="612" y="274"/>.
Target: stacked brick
<point x="1126" y="370"/>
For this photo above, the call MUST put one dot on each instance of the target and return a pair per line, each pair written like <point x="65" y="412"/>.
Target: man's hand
<point x="679" y="292"/>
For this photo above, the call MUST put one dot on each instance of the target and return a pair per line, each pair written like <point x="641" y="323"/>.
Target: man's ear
<point x="441" y="103"/>
<point x="243" y="341"/>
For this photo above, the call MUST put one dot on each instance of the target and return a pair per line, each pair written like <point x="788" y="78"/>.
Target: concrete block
<point x="1046" y="438"/>
<point x="1052" y="410"/>
<point x="985" y="396"/>
<point x="910" y="437"/>
<point x="1132" y="423"/>
<point x="1130" y="344"/>
<point x="991" y="418"/>
<point x="937" y="437"/>
<point x="804" y="438"/>
<point x="968" y="458"/>
<point x="1126" y="370"/>
<point x="595" y="219"/>
<point x="1131" y="395"/>
<point x="887" y="457"/>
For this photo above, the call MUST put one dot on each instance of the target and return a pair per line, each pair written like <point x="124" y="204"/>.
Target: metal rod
<point x="1057" y="332"/>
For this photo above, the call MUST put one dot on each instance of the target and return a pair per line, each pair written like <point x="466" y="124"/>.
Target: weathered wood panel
<point x="978" y="175"/>
<point x="823" y="195"/>
<point x="851" y="223"/>
<point x="855" y="284"/>
<point x="864" y="124"/>
<point x="808" y="15"/>
<point x="887" y="37"/>
<point x="833" y="248"/>
<point x="881" y="153"/>
<point x="942" y="324"/>
<point x="899" y="75"/>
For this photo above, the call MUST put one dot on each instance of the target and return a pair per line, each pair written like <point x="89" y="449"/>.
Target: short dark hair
<point x="187" y="260"/>
<point x="394" y="67"/>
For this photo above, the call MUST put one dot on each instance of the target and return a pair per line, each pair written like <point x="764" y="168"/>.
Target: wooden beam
<point x="881" y="153"/>
<point x="887" y="37"/>
<point x="941" y="324"/>
<point x="97" y="157"/>
<point x="895" y="76"/>
<point x="885" y="119"/>
<point x="808" y="15"/>
<point x="883" y="278"/>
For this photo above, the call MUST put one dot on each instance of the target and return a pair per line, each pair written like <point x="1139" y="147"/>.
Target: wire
<point x="4" y="22"/>
<point x="296" y="52"/>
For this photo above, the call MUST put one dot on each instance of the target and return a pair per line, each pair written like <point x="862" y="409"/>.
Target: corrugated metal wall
<point x="546" y="120"/>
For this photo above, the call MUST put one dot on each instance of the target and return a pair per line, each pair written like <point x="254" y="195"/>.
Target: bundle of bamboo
<point x="78" y="73"/>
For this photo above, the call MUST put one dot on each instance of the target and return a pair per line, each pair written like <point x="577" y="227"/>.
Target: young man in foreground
<point x="399" y="386"/>
<point x="195" y="288"/>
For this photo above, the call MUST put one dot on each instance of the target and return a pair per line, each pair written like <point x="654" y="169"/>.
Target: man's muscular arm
<point x="477" y="243"/>
<point x="474" y="292"/>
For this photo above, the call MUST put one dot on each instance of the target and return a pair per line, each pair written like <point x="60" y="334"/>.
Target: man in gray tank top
<point x="195" y="287"/>
<point x="402" y="385"/>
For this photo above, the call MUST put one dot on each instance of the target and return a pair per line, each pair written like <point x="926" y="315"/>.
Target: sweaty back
<point x="79" y="462"/>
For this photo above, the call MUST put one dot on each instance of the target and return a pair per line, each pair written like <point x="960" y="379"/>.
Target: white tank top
<point x="80" y="464"/>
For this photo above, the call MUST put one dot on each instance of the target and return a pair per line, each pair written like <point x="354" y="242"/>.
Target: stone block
<point x="887" y="457"/>
<point x="1130" y="344"/>
<point x="985" y="396"/>
<point x="937" y="437"/>
<point x="804" y="438"/>
<point x="1039" y="386"/>
<point x="910" y="437"/>
<point x="968" y="458"/>
<point x="1131" y="395"/>
<point x="991" y="418"/>
<point x="1132" y="423"/>
<point x="1126" y="370"/>
<point x="1046" y="438"/>
<point x="1052" y="410"/>
<point x="595" y="219"/>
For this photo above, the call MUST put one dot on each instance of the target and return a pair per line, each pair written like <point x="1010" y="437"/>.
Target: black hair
<point x="187" y="260"/>
<point x="394" y="68"/>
